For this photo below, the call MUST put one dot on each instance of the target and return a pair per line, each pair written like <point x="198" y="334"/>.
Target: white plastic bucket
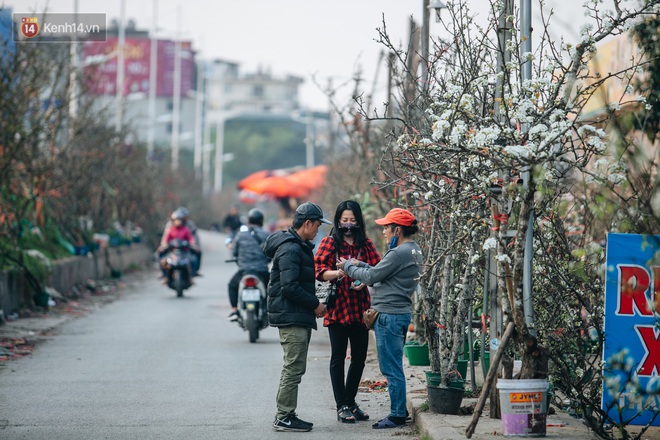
<point x="524" y="406"/>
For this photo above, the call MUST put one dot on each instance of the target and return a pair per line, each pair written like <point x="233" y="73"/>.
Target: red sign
<point x="101" y="66"/>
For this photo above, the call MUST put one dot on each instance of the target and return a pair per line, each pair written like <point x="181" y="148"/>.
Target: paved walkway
<point x="434" y="426"/>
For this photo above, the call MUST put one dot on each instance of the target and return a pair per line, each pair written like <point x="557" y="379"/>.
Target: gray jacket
<point x="247" y="248"/>
<point x="394" y="278"/>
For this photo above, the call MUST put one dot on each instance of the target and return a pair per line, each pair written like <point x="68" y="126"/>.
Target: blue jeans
<point x="390" y="339"/>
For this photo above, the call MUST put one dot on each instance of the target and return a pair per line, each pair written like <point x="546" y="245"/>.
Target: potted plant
<point x="446" y="298"/>
<point x="446" y="397"/>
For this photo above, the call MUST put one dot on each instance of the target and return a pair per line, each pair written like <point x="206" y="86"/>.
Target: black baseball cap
<point x="310" y="211"/>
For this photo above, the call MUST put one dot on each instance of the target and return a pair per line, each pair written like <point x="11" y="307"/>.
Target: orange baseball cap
<point x="397" y="216"/>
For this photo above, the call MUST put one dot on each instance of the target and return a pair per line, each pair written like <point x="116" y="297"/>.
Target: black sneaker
<point x="291" y="423"/>
<point x="233" y="316"/>
<point x="295" y="416"/>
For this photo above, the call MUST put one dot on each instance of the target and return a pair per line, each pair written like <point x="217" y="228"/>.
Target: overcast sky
<point x="306" y="38"/>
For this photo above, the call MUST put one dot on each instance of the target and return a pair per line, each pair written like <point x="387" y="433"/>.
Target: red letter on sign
<point x="634" y="282"/>
<point x="651" y="343"/>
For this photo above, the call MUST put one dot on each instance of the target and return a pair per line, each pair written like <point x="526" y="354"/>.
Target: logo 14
<point x="29" y="27"/>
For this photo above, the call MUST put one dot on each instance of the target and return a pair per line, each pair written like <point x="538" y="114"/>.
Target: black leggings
<point x="340" y="335"/>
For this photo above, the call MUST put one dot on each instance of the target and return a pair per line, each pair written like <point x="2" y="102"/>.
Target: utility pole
<point x="331" y="121"/>
<point x="153" y="78"/>
<point x="176" y="99"/>
<point x="426" y="23"/>
<point x="219" y="153"/>
<point x="503" y="58"/>
<point x="525" y="48"/>
<point x="200" y="115"/>
<point x="73" y="77"/>
<point x="309" y="140"/>
<point x="120" y="67"/>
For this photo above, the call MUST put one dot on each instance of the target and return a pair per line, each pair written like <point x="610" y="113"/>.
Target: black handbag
<point x="326" y="292"/>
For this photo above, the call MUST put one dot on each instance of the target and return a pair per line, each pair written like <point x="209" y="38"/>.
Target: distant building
<point x="100" y="61"/>
<point x="261" y="96"/>
<point x="614" y="55"/>
<point x="229" y="93"/>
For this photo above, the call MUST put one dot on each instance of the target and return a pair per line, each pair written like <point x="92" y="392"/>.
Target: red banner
<point x="100" y="60"/>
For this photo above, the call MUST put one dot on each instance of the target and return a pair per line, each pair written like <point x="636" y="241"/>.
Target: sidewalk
<point x="434" y="426"/>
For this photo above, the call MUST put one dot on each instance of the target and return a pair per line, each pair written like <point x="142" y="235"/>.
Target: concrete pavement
<point x="434" y="426"/>
<point x="430" y="426"/>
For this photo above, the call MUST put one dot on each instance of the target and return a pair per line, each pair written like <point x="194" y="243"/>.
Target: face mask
<point x="394" y="241"/>
<point x="348" y="228"/>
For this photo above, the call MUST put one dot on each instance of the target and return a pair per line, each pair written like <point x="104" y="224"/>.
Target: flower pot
<point x="457" y="383"/>
<point x="432" y="378"/>
<point x="417" y="354"/>
<point x="476" y="350"/>
<point x="462" y="368"/>
<point x="445" y="400"/>
<point x="486" y="361"/>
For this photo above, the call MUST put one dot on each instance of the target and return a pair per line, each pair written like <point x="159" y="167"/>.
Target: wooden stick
<point x="488" y="382"/>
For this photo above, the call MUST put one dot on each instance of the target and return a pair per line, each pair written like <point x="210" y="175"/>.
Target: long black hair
<point x="359" y="235"/>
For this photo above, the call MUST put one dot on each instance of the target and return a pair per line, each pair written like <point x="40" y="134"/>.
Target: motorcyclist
<point x="196" y="254"/>
<point x="176" y="231"/>
<point x="247" y="250"/>
<point x="232" y="222"/>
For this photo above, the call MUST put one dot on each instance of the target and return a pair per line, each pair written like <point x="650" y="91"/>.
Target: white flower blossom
<point x="616" y="178"/>
<point x="490" y="243"/>
<point x="586" y="29"/>
<point x="520" y="151"/>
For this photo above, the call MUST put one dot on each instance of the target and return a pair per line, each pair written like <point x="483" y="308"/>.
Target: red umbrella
<point x="255" y="177"/>
<point x="276" y="186"/>
<point x="310" y="178"/>
<point x="284" y="183"/>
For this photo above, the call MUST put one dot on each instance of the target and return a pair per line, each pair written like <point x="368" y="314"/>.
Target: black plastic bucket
<point x="445" y="400"/>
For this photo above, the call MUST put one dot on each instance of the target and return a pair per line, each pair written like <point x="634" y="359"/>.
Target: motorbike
<point x="177" y="266"/>
<point x="252" y="305"/>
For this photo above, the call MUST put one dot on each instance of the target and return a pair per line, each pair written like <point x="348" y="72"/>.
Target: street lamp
<point x="428" y="5"/>
<point x="437" y="6"/>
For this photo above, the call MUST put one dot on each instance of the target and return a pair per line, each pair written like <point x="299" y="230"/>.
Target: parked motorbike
<point x="252" y="305"/>
<point x="177" y="266"/>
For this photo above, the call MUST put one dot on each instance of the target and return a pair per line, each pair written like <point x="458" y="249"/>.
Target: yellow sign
<point x="536" y="396"/>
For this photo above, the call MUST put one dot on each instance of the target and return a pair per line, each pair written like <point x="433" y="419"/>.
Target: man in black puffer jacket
<point x="293" y="306"/>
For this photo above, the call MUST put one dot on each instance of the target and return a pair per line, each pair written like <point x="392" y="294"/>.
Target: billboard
<point x="100" y="60"/>
<point x="631" y="355"/>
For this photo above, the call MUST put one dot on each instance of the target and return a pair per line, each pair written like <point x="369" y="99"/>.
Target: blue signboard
<point x="631" y="386"/>
<point x="7" y="45"/>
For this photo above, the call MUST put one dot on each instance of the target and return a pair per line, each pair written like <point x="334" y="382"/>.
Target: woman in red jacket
<point x="343" y="319"/>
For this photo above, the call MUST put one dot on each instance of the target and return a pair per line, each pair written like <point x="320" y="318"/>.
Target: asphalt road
<point x="153" y="366"/>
